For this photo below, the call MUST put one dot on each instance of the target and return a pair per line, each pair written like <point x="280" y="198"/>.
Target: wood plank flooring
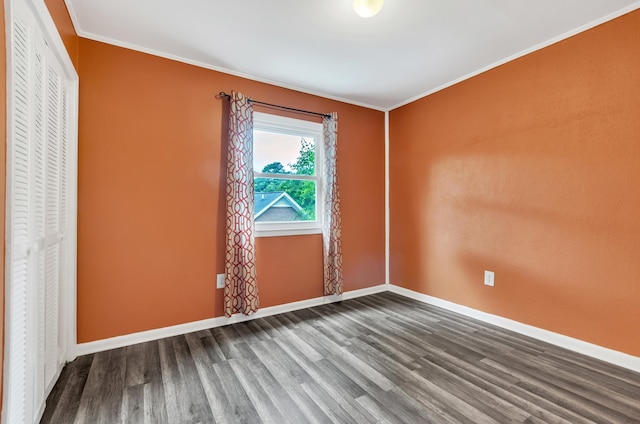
<point x="377" y="359"/>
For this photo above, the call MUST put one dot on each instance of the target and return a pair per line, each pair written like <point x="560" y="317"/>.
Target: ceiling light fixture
<point x="367" y="8"/>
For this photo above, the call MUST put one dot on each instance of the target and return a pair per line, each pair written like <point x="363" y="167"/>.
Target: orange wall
<point x="151" y="199"/>
<point x="530" y="170"/>
<point x="60" y="15"/>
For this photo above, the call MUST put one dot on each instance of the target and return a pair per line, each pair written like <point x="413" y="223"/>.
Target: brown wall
<point x="151" y="200"/>
<point x="530" y="170"/>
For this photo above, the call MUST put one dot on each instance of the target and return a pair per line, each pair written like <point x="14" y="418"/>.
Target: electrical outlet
<point x="220" y="281"/>
<point x="488" y="278"/>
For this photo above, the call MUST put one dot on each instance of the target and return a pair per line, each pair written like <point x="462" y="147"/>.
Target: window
<point x="287" y="171"/>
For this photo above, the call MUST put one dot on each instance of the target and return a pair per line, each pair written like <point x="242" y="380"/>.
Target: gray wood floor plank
<point x="493" y="406"/>
<point x="136" y="364"/>
<point x="291" y="339"/>
<point x="543" y="386"/>
<point x="428" y="409"/>
<point x="580" y="361"/>
<point x="382" y="358"/>
<point x="336" y="334"/>
<point x="269" y="327"/>
<point x="375" y="409"/>
<point x="316" y="339"/>
<point x="433" y="391"/>
<point x="98" y="394"/>
<point x="242" y="408"/>
<point x="198" y="407"/>
<point x="279" y="363"/>
<point x="605" y="381"/>
<point x="393" y="371"/>
<point x="110" y="394"/>
<point x="171" y="381"/>
<point x="337" y="380"/>
<point x="404" y="353"/>
<point x="498" y="338"/>
<point x="313" y="413"/>
<point x="64" y="401"/>
<point x="503" y="386"/>
<point x="419" y="384"/>
<point x="155" y="411"/>
<point x="330" y="383"/>
<point x="337" y="319"/>
<point x="390" y="348"/>
<point x="396" y="307"/>
<point x="327" y="405"/>
<point x="596" y="392"/>
<point x="225" y="337"/>
<point x="262" y="402"/>
<point x="248" y="332"/>
<point x="579" y="386"/>
<point x="218" y="402"/>
<point x="258" y="361"/>
<point x="210" y="345"/>
<point x="186" y="401"/>
<point x="334" y="402"/>
<point x="360" y="371"/>
<point x="132" y="409"/>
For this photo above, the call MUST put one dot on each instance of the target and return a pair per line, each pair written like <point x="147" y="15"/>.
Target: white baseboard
<point x="608" y="355"/>
<point x="176" y="330"/>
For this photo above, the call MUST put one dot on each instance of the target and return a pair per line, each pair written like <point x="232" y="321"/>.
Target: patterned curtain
<point x="240" y="289"/>
<point x="331" y="233"/>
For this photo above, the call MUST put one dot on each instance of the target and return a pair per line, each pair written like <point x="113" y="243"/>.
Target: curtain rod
<point x="222" y="94"/>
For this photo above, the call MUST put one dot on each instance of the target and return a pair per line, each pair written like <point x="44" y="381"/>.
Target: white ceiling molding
<point x="411" y="49"/>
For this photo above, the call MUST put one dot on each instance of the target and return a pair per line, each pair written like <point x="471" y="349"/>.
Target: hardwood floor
<point x="377" y="359"/>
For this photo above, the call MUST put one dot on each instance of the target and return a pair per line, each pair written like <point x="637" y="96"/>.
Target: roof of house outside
<point x="264" y="200"/>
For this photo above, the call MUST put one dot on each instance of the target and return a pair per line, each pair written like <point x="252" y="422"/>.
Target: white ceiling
<point x="411" y="48"/>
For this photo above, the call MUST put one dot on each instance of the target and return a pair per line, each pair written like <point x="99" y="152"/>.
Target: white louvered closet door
<point x="37" y="200"/>
<point x="19" y="231"/>
<point x="54" y="235"/>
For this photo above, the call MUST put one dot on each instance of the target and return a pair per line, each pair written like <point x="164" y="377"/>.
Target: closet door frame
<point x="67" y="289"/>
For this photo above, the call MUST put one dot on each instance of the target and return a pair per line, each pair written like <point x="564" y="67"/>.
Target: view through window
<point x="287" y="177"/>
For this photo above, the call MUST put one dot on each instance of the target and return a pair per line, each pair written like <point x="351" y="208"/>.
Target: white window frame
<point x="307" y="129"/>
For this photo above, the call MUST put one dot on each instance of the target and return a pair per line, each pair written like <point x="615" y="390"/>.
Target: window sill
<point x="287" y="232"/>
